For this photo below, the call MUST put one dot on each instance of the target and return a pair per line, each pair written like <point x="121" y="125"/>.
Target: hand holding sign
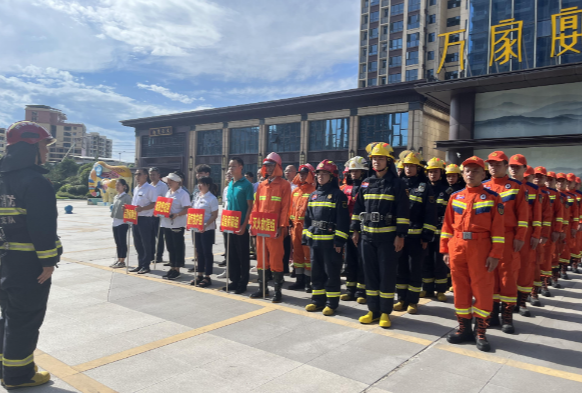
<point x="163" y="206"/>
<point x="130" y="214"/>
<point x="195" y="220"/>
<point x="230" y="221"/>
<point x="264" y="224"/>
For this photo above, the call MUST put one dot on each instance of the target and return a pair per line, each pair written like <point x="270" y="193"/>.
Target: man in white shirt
<point x="144" y="197"/>
<point x="161" y="189"/>
<point x="290" y="172"/>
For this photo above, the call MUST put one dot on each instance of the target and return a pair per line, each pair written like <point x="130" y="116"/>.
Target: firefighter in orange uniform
<point x="305" y="182"/>
<point x="273" y="196"/>
<point x="525" y="274"/>
<point x="574" y="249"/>
<point x="549" y="249"/>
<point x="579" y="233"/>
<point x="472" y="240"/>
<point x="514" y="200"/>
<point x="562" y="258"/>
<point x="538" y="178"/>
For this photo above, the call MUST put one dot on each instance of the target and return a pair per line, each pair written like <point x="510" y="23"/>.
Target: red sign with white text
<point x="162" y="207"/>
<point x="195" y="219"/>
<point x="230" y="221"/>
<point x="264" y="224"/>
<point x="129" y="214"/>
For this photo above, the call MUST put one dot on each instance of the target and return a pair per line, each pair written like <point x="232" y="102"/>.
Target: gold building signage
<point x="161" y="131"/>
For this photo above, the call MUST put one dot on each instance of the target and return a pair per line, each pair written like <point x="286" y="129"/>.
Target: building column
<point x="137" y="149"/>
<point x="225" y="153"/>
<point x="191" y="157"/>
<point x="461" y="124"/>
<point x="354" y="133"/>
<point x="304" y="144"/>
<point x="262" y="142"/>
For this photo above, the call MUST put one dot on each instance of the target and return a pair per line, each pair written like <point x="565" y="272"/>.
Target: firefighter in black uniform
<point x="423" y="221"/>
<point x="381" y="214"/>
<point x="355" y="280"/>
<point x="327" y="223"/>
<point x="30" y="249"/>
<point x="435" y="272"/>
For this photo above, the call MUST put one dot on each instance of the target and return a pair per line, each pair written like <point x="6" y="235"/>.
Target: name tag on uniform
<point x="421" y="187"/>
<point x="365" y="185"/>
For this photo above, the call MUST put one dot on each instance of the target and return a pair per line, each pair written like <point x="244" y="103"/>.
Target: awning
<point x="522" y="141"/>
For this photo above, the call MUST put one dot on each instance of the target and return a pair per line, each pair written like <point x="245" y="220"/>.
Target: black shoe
<point x="299" y="284"/>
<point x="175" y="275"/>
<point x="135" y="270"/>
<point x="480" y="329"/>
<point x="494" y="321"/>
<point x="535" y="301"/>
<point x="546" y="292"/>
<point x="507" y="318"/>
<point x="564" y="276"/>
<point x="463" y="334"/>
<point x="168" y="273"/>
<point x="279" y="279"/>
<point x="144" y="270"/>
<point x="239" y="291"/>
<point x="258" y="294"/>
<point x="192" y="270"/>
<point x="308" y="288"/>
<point x="222" y="264"/>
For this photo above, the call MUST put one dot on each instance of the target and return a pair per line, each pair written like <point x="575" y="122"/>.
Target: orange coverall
<point x="569" y="250"/>
<point x="550" y="247"/>
<point x="562" y="256"/>
<point x="579" y="233"/>
<point x="476" y="213"/>
<point x="547" y="220"/>
<point x="273" y="196"/>
<point x="512" y="193"/>
<point x="299" y="200"/>
<point x="525" y="273"/>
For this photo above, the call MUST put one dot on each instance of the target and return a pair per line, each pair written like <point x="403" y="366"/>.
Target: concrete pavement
<point x="107" y="331"/>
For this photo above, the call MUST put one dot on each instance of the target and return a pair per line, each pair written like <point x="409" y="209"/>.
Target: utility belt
<point x="377" y="217"/>
<point x="323" y="225"/>
<point x="472" y="235"/>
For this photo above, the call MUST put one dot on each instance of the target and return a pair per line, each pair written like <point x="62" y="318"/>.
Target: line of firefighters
<point x="412" y="228"/>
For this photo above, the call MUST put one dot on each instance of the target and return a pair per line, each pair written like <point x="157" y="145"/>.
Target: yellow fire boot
<point x="441" y="297"/>
<point x="399" y="306"/>
<point x="39" y="378"/>
<point x="451" y="289"/>
<point x="368" y="318"/>
<point x="412" y="308"/>
<point x="313" y="307"/>
<point x="328" y="311"/>
<point x="361" y="300"/>
<point x="346" y="297"/>
<point x="422" y="294"/>
<point x="385" y="321"/>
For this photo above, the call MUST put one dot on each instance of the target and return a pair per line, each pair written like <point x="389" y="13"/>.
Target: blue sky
<point x="101" y="61"/>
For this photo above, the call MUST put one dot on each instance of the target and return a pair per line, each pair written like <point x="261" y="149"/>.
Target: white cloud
<point x="183" y="98"/>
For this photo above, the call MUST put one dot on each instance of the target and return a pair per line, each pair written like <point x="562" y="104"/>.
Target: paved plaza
<point x="108" y="331"/>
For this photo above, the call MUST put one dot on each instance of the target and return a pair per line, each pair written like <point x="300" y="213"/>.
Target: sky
<point x="102" y="61"/>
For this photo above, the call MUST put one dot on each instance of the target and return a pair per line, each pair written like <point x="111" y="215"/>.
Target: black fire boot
<point x="545" y="290"/>
<point x="521" y="298"/>
<point x="564" y="274"/>
<point x="480" y="329"/>
<point x="258" y="294"/>
<point x="308" y="288"/>
<point x="555" y="277"/>
<point x="534" y="298"/>
<point x="507" y="318"/>
<point x="464" y="333"/>
<point x="495" y="315"/>
<point x="278" y="279"/>
<point x="299" y="284"/>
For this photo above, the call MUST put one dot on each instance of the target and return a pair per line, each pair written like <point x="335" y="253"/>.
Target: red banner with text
<point x="230" y="221"/>
<point x="264" y="224"/>
<point x="129" y="214"/>
<point x="163" y="206"/>
<point x="195" y="219"/>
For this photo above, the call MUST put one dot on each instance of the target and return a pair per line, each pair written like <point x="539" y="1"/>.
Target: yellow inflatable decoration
<point x="103" y="178"/>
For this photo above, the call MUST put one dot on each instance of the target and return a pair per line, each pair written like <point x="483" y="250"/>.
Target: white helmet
<point x="357" y="162"/>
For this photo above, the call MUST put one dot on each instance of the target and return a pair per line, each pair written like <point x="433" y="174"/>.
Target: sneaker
<point x="192" y="270"/>
<point x="144" y="270"/>
<point x="135" y="270"/>
<point x="119" y="265"/>
<point x="222" y="275"/>
<point x="168" y="273"/>
<point x="174" y="275"/>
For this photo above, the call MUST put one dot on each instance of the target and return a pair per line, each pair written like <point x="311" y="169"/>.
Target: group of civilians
<point x="151" y="234"/>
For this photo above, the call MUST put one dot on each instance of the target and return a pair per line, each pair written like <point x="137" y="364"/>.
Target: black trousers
<point x="239" y="260"/>
<point x="409" y="277"/>
<point x="23" y="301"/>
<point x="175" y="245"/>
<point x="159" y="251"/>
<point x="204" y="242"/>
<point x="326" y="268"/>
<point x="120" y="236"/>
<point x="434" y="271"/>
<point x="355" y="278"/>
<point x="380" y="265"/>
<point x="287" y="255"/>
<point x="144" y="240"/>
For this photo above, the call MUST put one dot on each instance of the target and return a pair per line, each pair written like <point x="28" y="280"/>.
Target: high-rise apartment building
<point x="2" y="141"/>
<point x="97" y="145"/>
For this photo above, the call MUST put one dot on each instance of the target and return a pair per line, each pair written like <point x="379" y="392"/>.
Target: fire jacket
<point x="514" y="199"/>
<point x="574" y="209"/>
<point x="578" y="194"/>
<point x="557" y="209"/>
<point x="382" y="207"/>
<point x="472" y="213"/>
<point x="351" y="192"/>
<point x="567" y="202"/>
<point x="327" y="218"/>
<point x="534" y="200"/>
<point x="423" y="208"/>
<point x="299" y="198"/>
<point x="547" y="213"/>
<point x="443" y="192"/>
<point x="274" y="196"/>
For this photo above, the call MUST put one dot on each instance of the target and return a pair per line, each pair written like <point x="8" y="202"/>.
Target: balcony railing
<point x="384" y="19"/>
<point x="362" y="75"/>
<point x="365" y="9"/>
<point x="383" y="37"/>
<point x="385" y="3"/>
<point x="364" y="26"/>
<point x="382" y="71"/>
<point x="383" y="54"/>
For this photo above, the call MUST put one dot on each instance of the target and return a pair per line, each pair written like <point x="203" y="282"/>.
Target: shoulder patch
<point x="365" y="184"/>
<point x="491" y="192"/>
<point x="532" y="185"/>
<point x="515" y="181"/>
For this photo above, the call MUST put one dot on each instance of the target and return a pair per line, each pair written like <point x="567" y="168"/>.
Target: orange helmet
<point x="307" y="167"/>
<point x="274" y="157"/>
<point x="28" y="132"/>
<point x="329" y="166"/>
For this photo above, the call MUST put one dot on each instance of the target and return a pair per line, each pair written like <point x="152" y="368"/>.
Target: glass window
<point x="453" y="4"/>
<point x="454" y="21"/>
<point x="412" y="40"/>
<point x="374" y="32"/>
<point x="391" y="128"/>
<point x="284" y="137"/>
<point x="430" y="74"/>
<point x="209" y="143"/>
<point x="329" y="134"/>
<point x="67" y="128"/>
<point x="431" y="19"/>
<point x="373" y="50"/>
<point x="373" y="66"/>
<point x="413" y="5"/>
<point x="54" y="131"/>
<point x="383" y="63"/>
<point x="454" y="37"/>
<point x="163" y="146"/>
<point x="372" y="82"/>
<point x="67" y="139"/>
<point x="374" y="16"/>
<point x="385" y="13"/>
<point x="412" y="58"/>
<point x="411" y="75"/>
<point x="451" y="57"/>
<point x="383" y="80"/>
<point x="431" y="37"/>
<point x="384" y="31"/>
<point x="396" y="44"/>
<point x="396" y="26"/>
<point x="432" y="2"/>
<point x="413" y="21"/>
<point x="374" y="2"/>
<point x="395" y="61"/>
<point x="67" y="133"/>
<point x="394" y="78"/>
<point x="397" y="9"/>
<point x="244" y="140"/>
<point x="451" y="75"/>
<point x="364" y="51"/>
<point x="363" y="68"/>
<point x="430" y="55"/>
<point x="500" y="10"/>
<point x="364" y="36"/>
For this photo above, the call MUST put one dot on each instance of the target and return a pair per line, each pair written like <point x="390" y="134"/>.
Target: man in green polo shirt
<point x="239" y="197"/>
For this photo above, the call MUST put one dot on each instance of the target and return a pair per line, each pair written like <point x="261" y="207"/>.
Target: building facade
<point x="333" y="126"/>
<point x="96" y="145"/>
<point x="2" y="141"/>
<point x="69" y="136"/>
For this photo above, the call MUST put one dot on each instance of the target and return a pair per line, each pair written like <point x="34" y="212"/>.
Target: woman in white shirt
<point x="205" y="238"/>
<point x="174" y="226"/>
<point x="119" y="227"/>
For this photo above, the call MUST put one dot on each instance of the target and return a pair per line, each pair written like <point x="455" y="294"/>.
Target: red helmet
<point x="274" y="157"/>
<point x="329" y="166"/>
<point x="27" y="131"/>
<point x="308" y="167"/>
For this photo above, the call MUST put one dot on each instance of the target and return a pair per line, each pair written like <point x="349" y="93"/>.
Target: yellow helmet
<point x="380" y="149"/>
<point x="399" y="164"/>
<point x="413" y="158"/>
<point x="453" y="168"/>
<point x="435" y="163"/>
